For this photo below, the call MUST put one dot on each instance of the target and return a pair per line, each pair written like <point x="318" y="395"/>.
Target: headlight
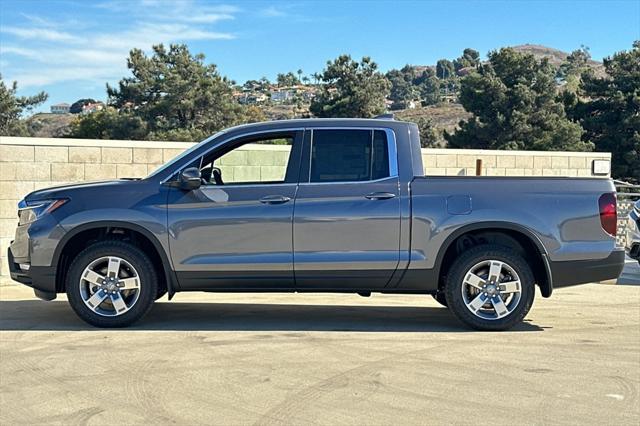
<point x="30" y="212"/>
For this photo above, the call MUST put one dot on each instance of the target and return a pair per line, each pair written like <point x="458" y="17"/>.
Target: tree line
<point x="516" y="100"/>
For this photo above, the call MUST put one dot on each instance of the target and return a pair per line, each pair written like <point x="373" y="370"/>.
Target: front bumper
<point x="31" y="253"/>
<point x="576" y="272"/>
<point x="41" y="278"/>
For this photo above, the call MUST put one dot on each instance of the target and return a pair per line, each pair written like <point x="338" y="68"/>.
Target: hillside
<point x="444" y="116"/>
<point x="556" y="57"/>
<point x="45" y="125"/>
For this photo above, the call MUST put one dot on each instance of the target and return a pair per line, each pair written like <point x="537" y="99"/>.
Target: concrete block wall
<point x="255" y="163"/>
<point x="462" y="162"/>
<point x="27" y="164"/>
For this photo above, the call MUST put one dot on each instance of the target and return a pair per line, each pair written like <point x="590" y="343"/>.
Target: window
<point x="262" y="160"/>
<point x="349" y="155"/>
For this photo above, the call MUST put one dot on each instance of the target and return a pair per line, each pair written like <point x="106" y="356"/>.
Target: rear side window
<point x="349" y="155"/>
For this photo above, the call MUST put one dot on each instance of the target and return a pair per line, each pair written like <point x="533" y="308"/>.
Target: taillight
<point x="608" y="213"/>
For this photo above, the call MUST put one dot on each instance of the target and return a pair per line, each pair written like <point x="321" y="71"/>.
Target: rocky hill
<point x="45" y="125"/>
<point x="556" y="57"/>
<point x="445" y="116"/>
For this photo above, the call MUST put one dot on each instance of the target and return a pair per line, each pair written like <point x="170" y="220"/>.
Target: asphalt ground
<point x="329" y="359"/>
<point x="630" y="273"/>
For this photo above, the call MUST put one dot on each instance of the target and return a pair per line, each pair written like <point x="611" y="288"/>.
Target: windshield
<point x="184" y="154"/>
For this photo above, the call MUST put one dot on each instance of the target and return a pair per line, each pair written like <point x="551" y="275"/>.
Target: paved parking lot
<point x="322" y="359"/>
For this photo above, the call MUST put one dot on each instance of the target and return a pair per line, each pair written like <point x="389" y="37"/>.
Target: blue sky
<point x="72" y="48"/>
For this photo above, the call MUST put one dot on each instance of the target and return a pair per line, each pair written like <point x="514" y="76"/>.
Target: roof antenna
<point x="385" y="117"/>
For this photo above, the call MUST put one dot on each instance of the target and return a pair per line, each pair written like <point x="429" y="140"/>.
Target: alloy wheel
<point x="110" y="286"/>
<point x="491" y="289"/>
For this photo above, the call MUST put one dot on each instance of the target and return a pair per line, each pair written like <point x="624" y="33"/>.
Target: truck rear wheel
<point x="111" y="284"/>
<point x="489" y="287"/>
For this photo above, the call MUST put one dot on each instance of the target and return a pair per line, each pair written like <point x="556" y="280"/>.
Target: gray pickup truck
<point x="350" y="210"/>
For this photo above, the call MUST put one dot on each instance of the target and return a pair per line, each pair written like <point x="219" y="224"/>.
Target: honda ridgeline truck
<point x="349" y="210"/>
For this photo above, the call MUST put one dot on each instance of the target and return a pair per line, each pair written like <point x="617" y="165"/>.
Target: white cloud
<point x="46" y="66"/>
<point x="287" y="10"/>
<point x="20" y="51"/>
<point x="66" y="56"/>
<point x="185" y="11"/>
<point x="116" y="5"/>
<point x="206" y="18"/>
<point x="46" y="54"/>
<point x="146" y="35"/>
<point x="182" y="10"/>
<point x="39" y="34"/>
<point x="223" y="8"/>
<point x="28" y="78"/>
<point x="273" y="12"/>
<point x="38" y="20"/>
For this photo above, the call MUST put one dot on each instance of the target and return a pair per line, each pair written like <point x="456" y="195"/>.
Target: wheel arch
<point x="76" y="233"/>
<point x="525" y="237"/>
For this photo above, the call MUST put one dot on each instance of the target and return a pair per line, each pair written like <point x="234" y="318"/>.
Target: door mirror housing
<point x="190" y="179"/>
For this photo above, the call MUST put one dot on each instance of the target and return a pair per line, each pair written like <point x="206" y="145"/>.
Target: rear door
<point x="346" y="229"/>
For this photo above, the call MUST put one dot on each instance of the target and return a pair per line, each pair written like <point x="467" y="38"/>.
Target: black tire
<point x="464" y="263"/>
<point x="440" y="298"/>
<point x="148" y="286"/>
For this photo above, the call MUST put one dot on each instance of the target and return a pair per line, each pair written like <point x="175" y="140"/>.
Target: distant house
<point x="307" y="94"/>
<point x="62" y="108"/>
<point x="247" y="98"/>
<point x="281" y="95"/>
<point x="93" y="107"/>
<point x="259" y="98"/>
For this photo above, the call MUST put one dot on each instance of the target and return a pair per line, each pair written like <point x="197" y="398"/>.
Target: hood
<point x="62" y="191"/>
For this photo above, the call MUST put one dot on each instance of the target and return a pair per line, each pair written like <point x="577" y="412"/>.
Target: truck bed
<point x="561" y="212"/>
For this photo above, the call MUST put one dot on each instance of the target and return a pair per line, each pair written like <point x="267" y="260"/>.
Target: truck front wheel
<point x="489" y="287"/>
<point x="111" y="284"/>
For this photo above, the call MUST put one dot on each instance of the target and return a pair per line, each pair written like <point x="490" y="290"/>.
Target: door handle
<point x="274" y="199"/>
<point x="379" y="196"/>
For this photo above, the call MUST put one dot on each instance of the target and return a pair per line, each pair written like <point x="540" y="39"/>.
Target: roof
<point x="63" y="104"/>
<point x="317" y="122"/>
<point x="92" y="105"/>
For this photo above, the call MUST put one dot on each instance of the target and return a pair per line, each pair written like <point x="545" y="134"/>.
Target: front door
<point x="346" y="227"/>
<point x="235" y="232"/>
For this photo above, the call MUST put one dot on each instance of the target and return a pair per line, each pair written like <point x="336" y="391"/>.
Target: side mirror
<point x="190" y="179"/>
